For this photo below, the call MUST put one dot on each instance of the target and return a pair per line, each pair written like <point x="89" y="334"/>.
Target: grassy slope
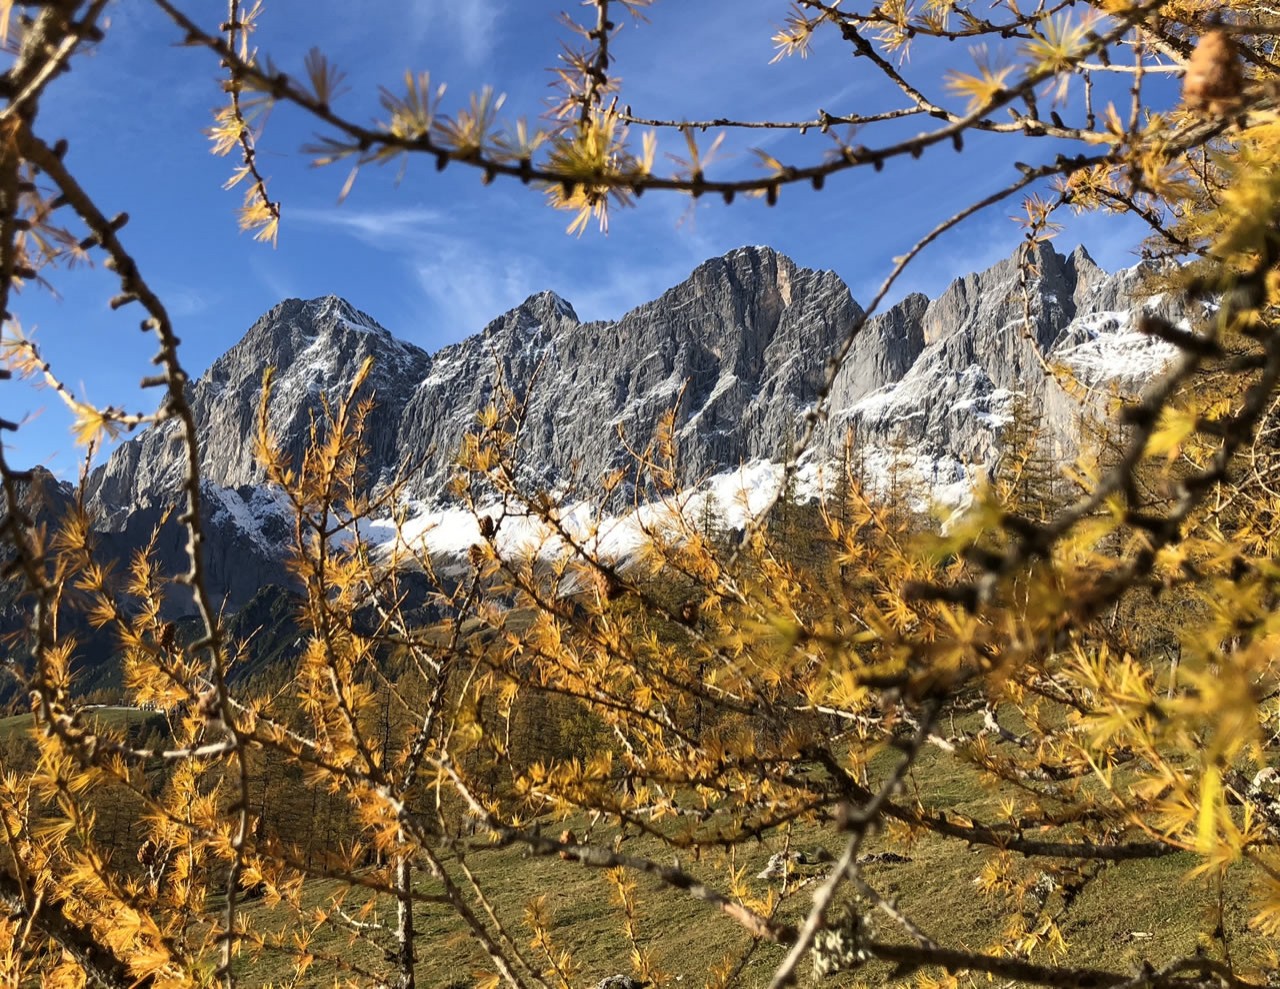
<point x="935" y="888"/>
<point x="1133" y="912"/>
<point x="1107" y="925"/>
<point x="118" y="718"/>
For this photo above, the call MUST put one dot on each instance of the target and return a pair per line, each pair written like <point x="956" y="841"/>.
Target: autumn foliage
<point x="1092" y="647"/>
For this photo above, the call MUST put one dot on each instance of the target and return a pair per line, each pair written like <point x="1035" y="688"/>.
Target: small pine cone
<point x="487" y="527"/>
<point x="1213" y="80"/>
<point x="689" y="613"/>
<point x="476" y="555"/>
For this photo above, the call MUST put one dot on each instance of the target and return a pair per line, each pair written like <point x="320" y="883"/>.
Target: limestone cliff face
<point x="739" y="349"/>
<point x="994" y="336"/>
<point x="316" y="349"/>
<point x="885" y="349"/>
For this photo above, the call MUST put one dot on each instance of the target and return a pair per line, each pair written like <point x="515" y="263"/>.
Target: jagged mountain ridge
<point x="744" y="337"/>
<point x="740" y="347"/>
<point x="316" y="348"/>
<point x="988" y="340"/>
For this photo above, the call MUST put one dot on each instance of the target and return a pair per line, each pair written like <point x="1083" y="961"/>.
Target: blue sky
<point x="435" y="256"/>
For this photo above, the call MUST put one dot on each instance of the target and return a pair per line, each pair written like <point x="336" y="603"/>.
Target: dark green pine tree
<point x="1027" y="476"/>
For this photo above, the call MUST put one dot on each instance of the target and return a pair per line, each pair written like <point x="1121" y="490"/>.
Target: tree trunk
<point x="404" y="921"/>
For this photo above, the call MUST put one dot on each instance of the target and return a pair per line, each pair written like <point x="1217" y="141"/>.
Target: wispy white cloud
<point x="474" y="24"/>
<point x="469" y="286"/>
<point x="279" y="283"/>
<point x="970" y="248"/>
<point x="390" y="228"/>
<point x="466" y="281"/>
<point x="471" y="267"/>
<point x="183" y="302"/>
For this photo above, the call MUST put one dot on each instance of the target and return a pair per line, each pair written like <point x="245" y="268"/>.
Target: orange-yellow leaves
<point x="413" y="114"/>
<point x="1210" y="812"/>
<point x="325" y="78"/>
<point x="471" y="130"/>
<point x="980" y="87"/>
<point x="1176" y="427"/>
<point x="258" y="215"/>
<point x="796" y="34"/>
<point x="595" y="149"/>
<point x="1055" y="48"/>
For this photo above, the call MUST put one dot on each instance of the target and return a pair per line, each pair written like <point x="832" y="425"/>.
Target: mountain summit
<point x="316" y="348"/>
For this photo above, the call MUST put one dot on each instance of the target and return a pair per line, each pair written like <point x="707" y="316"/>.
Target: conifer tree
<point x="721" y="700"/>
<point x="1027" y="477"/>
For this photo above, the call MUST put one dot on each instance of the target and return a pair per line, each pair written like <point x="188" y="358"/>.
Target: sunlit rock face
<point x="1054" y="329"/>
<point x="316" y="348"/>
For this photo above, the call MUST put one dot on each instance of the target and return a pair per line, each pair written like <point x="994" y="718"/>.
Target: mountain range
<point x="739" y="350"/>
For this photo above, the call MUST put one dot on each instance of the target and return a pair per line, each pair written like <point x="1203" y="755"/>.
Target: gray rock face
<point x="316" y="348"/>
<point x="993" y="336"/>
<point x="885" y="349"/>
<point x="738" y="349"/>
<point x="247" y="532"/>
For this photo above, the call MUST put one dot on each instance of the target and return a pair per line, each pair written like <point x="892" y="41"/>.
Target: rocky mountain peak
<point x="547" y="305"/>
<point x="987" y="342"/>
<point x="995" y="298"/>
<point x="334" y="312"/>
<point x="298" y="330"/>
<point x="42" y="496"/>
<point x="315" y="347"/>
<point x="1081" y="259"/>
<point x="735" y="346"/>
<point x="757" y="270"/>
<point x="531" y="324"/>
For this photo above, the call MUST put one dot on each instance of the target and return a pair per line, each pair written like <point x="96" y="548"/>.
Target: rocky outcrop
<point x="739" y="348"/>
<point x="997" y="335"/>
<point x="316" y="349"/>
<point x="44" y="503"/>
<point x="884" y="350"/>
